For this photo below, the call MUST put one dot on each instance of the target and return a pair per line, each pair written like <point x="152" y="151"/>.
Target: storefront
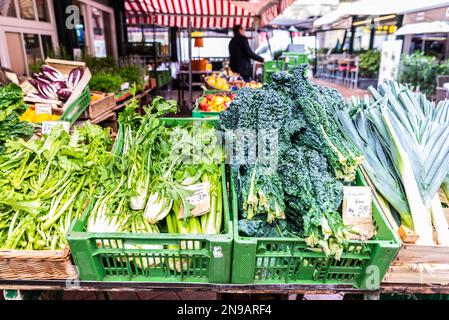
<point x="433" y="43"/>
<point x="35" y="29"/>
<point x="28" y="29"/>
<point x="93" y="31"/>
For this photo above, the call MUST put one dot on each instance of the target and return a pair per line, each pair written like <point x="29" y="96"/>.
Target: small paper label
<point x="357" y="211"/>
<point x="27" y="87"/>
<point x="200" y="200"/>
<point x="40" y="108"/>
<point x="12" y="76"/>
<point x="47" y="126"/>
<point x="217" y="252"/>
<point x="124" y="86"/>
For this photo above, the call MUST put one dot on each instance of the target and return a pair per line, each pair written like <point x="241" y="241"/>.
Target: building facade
<point x="435" y="44"/>
<point x="27" y="33"/>
<point x="31" y="30"/>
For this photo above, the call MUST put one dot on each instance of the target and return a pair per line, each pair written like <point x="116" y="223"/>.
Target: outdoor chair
<point x="354" y="74"/>
<point x="441" y="92"/>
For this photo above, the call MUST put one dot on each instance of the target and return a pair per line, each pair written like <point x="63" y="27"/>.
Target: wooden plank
<point x="407" y="235"/>
<point x="221" y="288"/>
<point x="103" y="117"/>
<point x="410" y="253"/>
<point x="428" y="275"/>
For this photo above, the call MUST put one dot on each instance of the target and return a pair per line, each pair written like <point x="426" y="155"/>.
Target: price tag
<point x="47" y="126"/>
<point x="357" y="211"/>
<point x="200" y="200"/>
<point x="124" y="86"/>
<point x="12" y="76"/>
<point x="41" y="108"/>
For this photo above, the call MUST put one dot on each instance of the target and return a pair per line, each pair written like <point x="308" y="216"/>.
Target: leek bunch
<point x="405" y="141"/>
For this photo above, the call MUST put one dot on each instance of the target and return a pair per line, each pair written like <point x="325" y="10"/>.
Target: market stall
<point x="203" y="14"/>
<point x="283" y="187"/>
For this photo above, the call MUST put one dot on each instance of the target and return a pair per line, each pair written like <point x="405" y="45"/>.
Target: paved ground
<point x="345" y="91"/>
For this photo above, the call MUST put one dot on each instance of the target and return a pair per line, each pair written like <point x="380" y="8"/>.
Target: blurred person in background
<point x="240" y="54"/>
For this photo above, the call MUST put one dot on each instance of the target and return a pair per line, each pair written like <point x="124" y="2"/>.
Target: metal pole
<point x="189" y="30"/>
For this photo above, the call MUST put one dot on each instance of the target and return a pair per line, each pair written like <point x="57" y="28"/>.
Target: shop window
<point x="15" y="51"/>
<point x="7" y="8"/>
<point x="42" y="10"/>
<point x="99" y="35"/>
<point x="47" y="46"/>
<point x="134" y="34"/>
<point x="32" y="48"/>
<point x="27" y="9"/>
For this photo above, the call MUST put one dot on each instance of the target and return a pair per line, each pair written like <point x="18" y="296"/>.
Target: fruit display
<point x="242" y="84"/>
<point x="216" y="81"/>
<point x="215" y="102"/>
<point x="31" y="116"/>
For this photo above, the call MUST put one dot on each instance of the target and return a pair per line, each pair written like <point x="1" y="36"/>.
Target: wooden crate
<point x="65" y="66"/>
<point x="99" y="107"/>
<point x="418" y="264"/>
<point x="107" y="120"/>
<point x="122" y="97"/>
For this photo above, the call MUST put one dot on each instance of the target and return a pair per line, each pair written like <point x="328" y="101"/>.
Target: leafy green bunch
<point x="46" y="183"/>
<point x="11" y="107"/>
<point x="309" y="161"/>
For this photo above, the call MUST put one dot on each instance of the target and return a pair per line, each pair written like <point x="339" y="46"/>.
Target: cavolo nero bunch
<point x="290" y="160"/>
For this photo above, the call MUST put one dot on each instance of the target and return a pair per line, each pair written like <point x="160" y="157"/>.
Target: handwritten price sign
<point x="357" y="211"/>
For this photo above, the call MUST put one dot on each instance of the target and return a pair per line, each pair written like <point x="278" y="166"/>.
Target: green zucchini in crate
<point x="290" y="260"/>
<point x="154" y="257"/>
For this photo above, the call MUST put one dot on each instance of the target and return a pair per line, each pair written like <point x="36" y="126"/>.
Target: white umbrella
<point x="424" y="27"/>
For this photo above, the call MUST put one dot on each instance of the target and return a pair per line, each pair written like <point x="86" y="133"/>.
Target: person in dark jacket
<point x="240" y="54"/>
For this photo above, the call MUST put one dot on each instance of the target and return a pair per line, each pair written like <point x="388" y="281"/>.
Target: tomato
<point x="210" y="96"/>
<point x="203" y="105"/>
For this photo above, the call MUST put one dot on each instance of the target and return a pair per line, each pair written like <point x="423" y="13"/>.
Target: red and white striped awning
<point x="204" y="13"/>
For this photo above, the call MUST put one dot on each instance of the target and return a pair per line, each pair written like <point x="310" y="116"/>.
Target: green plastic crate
<point x="288" y="260"/>
<point x="298" y="58"/>
<point x="78" y="106"/>
<point x="207" y="258"/>
<point x="271" y="67"/>
<point x="198" y="114"/>
<point x="163" y="77"/>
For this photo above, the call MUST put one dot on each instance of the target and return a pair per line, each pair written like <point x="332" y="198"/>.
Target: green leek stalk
<point x="219" y="215"/>
<point x="439" y="221"/>
<point x="421" y="219"/>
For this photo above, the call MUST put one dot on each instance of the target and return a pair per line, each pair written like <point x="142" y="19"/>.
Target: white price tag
<point x="47" y="126"/>
<point x="41" y="108"/>
<point x="357" y="211"/>
<point x="124" y="86"/>
<point x="358" y="201"/>
<point x="12" y="76"/>
<point x="200" y="199"/>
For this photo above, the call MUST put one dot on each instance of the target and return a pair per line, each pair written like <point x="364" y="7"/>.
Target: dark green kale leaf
<point x="259" y="227"/>
<point x="261" y="192"/>
<point x="11" y="107"/>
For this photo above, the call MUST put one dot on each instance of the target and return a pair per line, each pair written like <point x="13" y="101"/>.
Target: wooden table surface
<point x="73" y="285"/>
